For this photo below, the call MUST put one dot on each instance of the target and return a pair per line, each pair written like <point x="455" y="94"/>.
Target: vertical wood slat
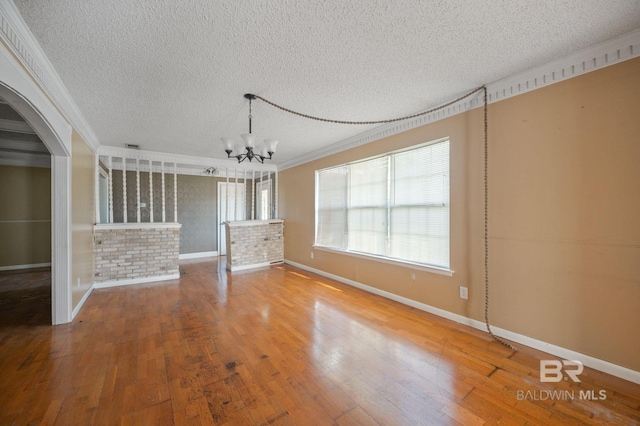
<point x="164" y="218"/>
<point x="253" y="194"/>
<point x="175" y="192"/>
<point x="276" y="196"/>
<point x="110" y="189"/>
<point x="124" y="189"/>
<point x="150" y="191"/>
<point x="260" y="195"/>
<point x="138" y="188"/>
<point x="226" y="208"/>
<point x="97" y="186"/>
<point x="244" y="200"/>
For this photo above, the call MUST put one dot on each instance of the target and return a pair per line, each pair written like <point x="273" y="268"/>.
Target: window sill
<point x="416" y="266"/>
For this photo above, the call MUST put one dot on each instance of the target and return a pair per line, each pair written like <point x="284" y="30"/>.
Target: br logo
<point x="551" y="370"/>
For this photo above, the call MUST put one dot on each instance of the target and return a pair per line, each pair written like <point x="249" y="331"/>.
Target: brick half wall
<point x="136" y="253"/>
<point x="254" y="243"/>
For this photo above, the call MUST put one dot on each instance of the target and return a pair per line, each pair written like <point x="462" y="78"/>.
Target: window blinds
<point x="394" y="206"/>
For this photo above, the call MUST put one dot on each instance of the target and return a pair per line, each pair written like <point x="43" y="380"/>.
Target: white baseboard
<point x="16" y="267"/>
<point x="255" y="265"/>
<point x="118" y="283"/>
<point x="197" y="255"/>
<point x="84" y="299"/>
<point x="589" y="361"/>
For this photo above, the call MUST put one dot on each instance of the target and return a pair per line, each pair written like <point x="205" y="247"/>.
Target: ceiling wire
<point x="391" y="120"/>
<point x="482" y="89"/>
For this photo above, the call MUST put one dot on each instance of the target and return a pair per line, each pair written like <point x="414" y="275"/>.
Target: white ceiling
<point x="170" y="75"/>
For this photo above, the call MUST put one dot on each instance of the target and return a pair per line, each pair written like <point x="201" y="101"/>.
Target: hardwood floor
<point x="279" y="346"/>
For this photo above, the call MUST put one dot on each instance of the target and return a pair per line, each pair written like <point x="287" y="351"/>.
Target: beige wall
<point x="25" y="216"/>
<point x="82" y="217"/>
<point x="564" y="216"/>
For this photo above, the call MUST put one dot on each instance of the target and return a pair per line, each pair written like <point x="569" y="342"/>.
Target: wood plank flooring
<point x="278" y="346"/>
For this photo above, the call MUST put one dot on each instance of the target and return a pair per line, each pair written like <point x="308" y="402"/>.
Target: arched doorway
<point x="24" y="96"/>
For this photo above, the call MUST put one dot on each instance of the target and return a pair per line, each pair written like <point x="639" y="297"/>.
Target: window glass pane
<point x="331" y="207"/>
<point x="368" y="230"/>
<point x="395" y="206"/>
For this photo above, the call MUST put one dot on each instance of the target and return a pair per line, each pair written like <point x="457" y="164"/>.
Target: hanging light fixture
<point x="260" y="154"/>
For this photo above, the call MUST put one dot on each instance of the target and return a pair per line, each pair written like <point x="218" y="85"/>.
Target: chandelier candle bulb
<point x="228" y="144"/>
<point x="271" y="145"/>
<point x="249" y="140"/>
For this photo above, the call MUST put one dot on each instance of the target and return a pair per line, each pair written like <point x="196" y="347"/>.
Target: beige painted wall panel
<point x="25" y="243"/>
<point x="25" y="215"/>
<point x="83" y="217"/>
<point x="564" y="208"/>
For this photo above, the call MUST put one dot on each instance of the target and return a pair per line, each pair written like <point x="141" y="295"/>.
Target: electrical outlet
<point x="464" y="293"/>
<point x="311" y="254"/>
<point x="413" y="277"/>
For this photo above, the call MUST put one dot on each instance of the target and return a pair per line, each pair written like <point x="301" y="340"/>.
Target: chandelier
<point x="260" y="153"/>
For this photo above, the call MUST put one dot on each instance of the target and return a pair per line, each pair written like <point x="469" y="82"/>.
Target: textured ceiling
<point x="170" y="75"/>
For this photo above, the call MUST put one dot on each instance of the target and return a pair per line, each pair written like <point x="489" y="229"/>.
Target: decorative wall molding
<point x="16" y="126"/>
<point x="19" y="91"/>
<point x="590" y="59"/>
<point x="199" y="255"/>
<point x="118" y="283"/>
<point x="19" y="267"/>
<point x="589" y="361"/>
<point x="81" y="303"/>
<point x="187" y="164"/>
<point x="14" y="31"/>
<point x="22" y="159"/>
<point x="16" y="34"/>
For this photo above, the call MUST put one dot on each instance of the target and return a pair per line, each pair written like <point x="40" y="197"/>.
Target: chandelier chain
<point x="486" y="225"/>
<point x="392" y="120"/>
<point x="486" y="178"/>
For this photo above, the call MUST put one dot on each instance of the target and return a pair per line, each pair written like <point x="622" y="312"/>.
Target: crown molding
<point x="23" y="159"/>
<point x="593" y="58"/>
<point x="15" y="126"/>
<point x="16" y="34"/>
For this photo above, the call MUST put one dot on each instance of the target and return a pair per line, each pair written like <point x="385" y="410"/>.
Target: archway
<point x="22" y="94"/>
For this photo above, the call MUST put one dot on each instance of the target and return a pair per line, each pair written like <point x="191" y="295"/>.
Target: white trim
<point x="25" y="221"/>
<point x="20" y="91"/>
<point x="81" y="303"/>
<point x="589" y="361"/>
<point x="254" y="266"/>
<point x="30" y="266"/>
<point x="61" y="240"/>
<point x="23" y="159"/>
<point x="15" y="126"/>
<point x="186" y="164"/>
<point x="198" y="255"/>
<point x="240" y="223"/>
<point x="23" y="146"/>
<point x="132" y="281"/>
<point x="391" y="261"/>
<point x="593" y="58"/>
<point x="135" y="225"/>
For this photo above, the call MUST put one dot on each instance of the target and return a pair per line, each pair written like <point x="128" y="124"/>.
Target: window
<point x="395" y="206"/>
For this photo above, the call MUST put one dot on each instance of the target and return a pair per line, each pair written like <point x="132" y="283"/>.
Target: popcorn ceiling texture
<point x="170" y="75"/>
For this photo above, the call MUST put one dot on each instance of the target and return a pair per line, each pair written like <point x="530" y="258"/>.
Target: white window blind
<point x="394" y="206"/>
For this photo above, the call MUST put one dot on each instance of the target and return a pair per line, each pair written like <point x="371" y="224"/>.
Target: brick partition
<point x="254" y="243"/>
<point x="130" y="253"/>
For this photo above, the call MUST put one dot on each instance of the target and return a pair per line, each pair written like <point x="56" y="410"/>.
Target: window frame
<point x="382" y="258"/>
